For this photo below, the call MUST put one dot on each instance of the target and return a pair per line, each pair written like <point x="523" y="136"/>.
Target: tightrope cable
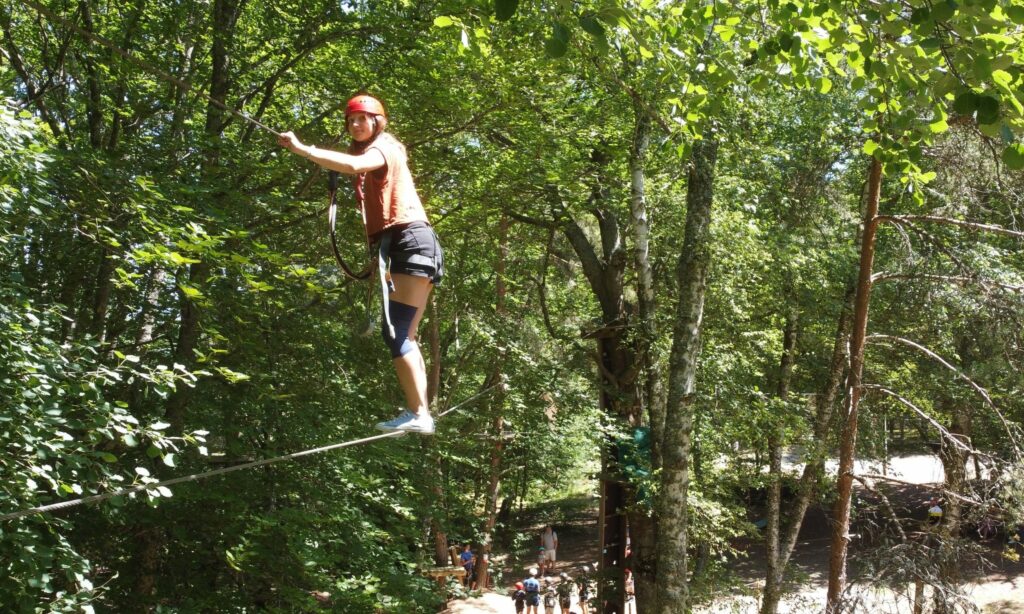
<point x="100" y="40"/>
<point x="52" y="507"/>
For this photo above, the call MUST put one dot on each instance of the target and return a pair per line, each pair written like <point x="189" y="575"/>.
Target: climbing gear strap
<point x="386" y="285"/>
<point x="332" y="215"/>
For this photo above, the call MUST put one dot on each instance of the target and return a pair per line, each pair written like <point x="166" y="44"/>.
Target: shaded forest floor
<point x="994" y="584"/>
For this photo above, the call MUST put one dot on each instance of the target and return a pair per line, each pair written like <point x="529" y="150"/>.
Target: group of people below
<point x="529" y="593"/>
<point x="558" y="593"/>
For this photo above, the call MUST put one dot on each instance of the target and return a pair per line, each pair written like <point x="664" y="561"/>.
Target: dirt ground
<point x="992" y="583"/>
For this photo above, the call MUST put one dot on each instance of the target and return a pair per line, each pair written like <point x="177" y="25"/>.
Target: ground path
<point x="998" y="591"/>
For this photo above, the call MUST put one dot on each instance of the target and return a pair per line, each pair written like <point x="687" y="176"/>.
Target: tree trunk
<point x="225" y="13"/>
<point x="644" y="271"/>
<point x="94" y="101"/>
<point x="642" y="527"/>
<point x="848" y="441"/>
<point x="954" y="463"/>
<point x="441" y="556"/>
<point x="497" y="420"/>
<point x="672" y="588"/>
<point x="824" y="405"/>
<point x="775" y="569"/>
<point x="101" y="296"/>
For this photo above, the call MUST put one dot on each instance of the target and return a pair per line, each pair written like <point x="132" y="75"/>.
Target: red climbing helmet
<point x="364" y="103"/>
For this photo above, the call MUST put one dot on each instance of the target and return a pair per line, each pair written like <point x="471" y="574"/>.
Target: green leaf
<point x="591" y="25"/>
<point x="938" y="126"/>
<point x="559" y="32"/>
<point x="169" y="460"/>
<point x="1002" y="77"/>
<point x="505" y="9"/>
<point x="943" y="10"/>
<point x="159" y="426"/>
<point x="190" y="291"/>
<point x="982" y="68"/>
<point x="1015" y="13"/>
<point x="825" y="86"/>
<point x="108" y="457"/>
<point x="920" y="15"/>
<point x="1013" y="157"/>
<point x="786" y="41"/>
<point x="966" y="103"/>
<point x="555" y="48"/>
<point x="988" y="110"/>
<point x="443" y="21"/>
<point x="870" y="147"/>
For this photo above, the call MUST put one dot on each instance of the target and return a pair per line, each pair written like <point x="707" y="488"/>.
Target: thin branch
<point x="519" y="217"/>
<point x="651" y="112"/>
<point x="910" y="219"/>
<point x="940" y="246"/>
<point x="885" y="501"/>
<point x="472" y="121"/>
<point x="984" y="283"/>
<point x="981" y="391"/>
<point x="542" y="291"/>
<point x="935" y="423"/>
<point x="886" y="478"/>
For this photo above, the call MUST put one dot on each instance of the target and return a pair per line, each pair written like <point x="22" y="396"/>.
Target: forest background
<point x="664" y="215"/>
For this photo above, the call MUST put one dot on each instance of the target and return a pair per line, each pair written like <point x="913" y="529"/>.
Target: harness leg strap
<point x="386" y="285"/>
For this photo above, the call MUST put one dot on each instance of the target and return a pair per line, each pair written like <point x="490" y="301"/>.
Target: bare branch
<point x="981" y="391"/>
<point x="963" y="280"/>
<point x="532" y="221"/>
<point x="542" y="291"/>
<point x="905" y="219"/>
<point x="472" y="121"/>
<point x="885" y="501"/>
<point x="944" y="491"/>
<point x="932" y="421"/>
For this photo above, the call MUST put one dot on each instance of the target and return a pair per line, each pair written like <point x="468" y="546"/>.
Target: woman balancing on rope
<point x="397" y="223"/>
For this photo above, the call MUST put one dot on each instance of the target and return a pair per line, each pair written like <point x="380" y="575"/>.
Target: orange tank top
<point x="389" y="192"/>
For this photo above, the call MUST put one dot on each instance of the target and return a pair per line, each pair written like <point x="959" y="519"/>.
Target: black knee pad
<point x="401" y="316"/>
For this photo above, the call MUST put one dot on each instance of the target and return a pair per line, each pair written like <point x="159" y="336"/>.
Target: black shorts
<point x="415" y="250"/>
<point x="532" y="598"/>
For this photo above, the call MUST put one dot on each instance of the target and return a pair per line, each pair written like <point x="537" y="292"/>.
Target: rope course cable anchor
<point x="53" y="507"/>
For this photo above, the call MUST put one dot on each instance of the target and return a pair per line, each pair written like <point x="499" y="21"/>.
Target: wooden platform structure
<point x="441" y="574"/>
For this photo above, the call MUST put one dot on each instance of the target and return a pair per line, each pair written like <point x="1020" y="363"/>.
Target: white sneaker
<point x="409" y="422"/>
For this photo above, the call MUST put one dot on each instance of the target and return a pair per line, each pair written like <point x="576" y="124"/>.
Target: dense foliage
<point x="169" y="304"/>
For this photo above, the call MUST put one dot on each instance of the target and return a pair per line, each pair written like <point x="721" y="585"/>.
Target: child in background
<point x="566" y="588"/>
<point x="630" y="588"/>
<point x="584" y="583"/>
<point x="519" y="597"/>
<point x="550" y="598"/>
<point x="532" y="586"/>
<point x="468" y="560"/>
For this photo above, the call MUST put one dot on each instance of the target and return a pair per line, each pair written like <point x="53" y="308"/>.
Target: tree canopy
<point x="653" y="215"/>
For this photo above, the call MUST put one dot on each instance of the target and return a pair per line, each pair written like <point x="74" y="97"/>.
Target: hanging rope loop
<point x="332" y="216"/>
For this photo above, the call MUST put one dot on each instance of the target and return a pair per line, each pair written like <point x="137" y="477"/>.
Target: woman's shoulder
<point x="387" y="143"/>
